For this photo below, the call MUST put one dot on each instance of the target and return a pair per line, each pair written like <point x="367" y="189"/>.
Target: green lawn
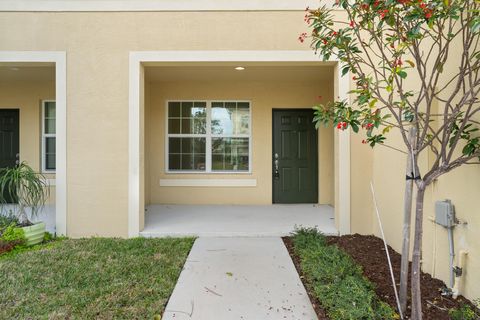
<point x="98" y="278"/>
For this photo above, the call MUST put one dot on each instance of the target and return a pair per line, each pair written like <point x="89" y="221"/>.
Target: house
<point x="125" y="105"/>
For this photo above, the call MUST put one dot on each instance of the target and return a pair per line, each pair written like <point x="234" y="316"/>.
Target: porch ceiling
<point x="228" y="73"/>
<point x="19" y="72"/>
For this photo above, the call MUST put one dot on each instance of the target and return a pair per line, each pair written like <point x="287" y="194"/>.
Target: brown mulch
<point x="369" y="252"/>
<point x="6" y="246"/>
<point x="296" y="261"/>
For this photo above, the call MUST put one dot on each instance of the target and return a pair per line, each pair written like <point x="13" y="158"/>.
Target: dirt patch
<point x="296" y="261"/>
<point x="369" y="252"/>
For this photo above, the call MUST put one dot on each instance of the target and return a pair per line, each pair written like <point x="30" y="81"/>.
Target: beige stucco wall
<point x="264" y="96"/>
<point x="97" y="47"/>
<point x="361" y="169"/>
<point x="27" y="97"/>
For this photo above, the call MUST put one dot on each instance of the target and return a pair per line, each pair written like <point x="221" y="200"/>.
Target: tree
<point x="406" y="58"/>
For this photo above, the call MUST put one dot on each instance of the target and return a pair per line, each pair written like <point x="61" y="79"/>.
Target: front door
<point x="9" y="139"/>
<point x="295" y="177"/>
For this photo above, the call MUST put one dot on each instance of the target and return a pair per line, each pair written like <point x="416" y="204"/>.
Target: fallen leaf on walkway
<point x="211" y="291"/>
<point x="229" y="274"/>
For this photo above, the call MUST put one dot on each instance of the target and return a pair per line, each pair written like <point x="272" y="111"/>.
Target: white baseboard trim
<point x="208" y="182"/>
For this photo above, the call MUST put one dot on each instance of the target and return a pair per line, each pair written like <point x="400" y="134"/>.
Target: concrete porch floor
<point x="235" y="220"/>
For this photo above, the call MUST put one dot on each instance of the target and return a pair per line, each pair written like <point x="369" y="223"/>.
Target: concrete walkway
<point x="239" y="278"/>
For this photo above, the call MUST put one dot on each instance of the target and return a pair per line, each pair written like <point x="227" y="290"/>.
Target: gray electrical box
<point x="445" y="213"/>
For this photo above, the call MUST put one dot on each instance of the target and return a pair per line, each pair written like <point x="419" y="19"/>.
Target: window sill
<point x="208" y="172"/>
<point x="208" y="182"/>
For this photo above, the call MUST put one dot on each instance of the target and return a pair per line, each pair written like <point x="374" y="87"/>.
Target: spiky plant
<point x="25" y="188"/>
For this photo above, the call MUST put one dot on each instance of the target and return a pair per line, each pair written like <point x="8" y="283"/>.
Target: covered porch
<point x="212" y="152"/>
<point x="29" y="124"/>
<point x="236" y="220"/>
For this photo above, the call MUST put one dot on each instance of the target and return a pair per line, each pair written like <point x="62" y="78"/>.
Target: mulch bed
<point x="369" y="252"/>
<point x="6" y="246"/>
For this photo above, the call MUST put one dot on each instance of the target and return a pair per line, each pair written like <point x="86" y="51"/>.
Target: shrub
<point x="337" y="280"/>
<point x="28" y="188"/>
<point x="307" y="237"/>
<point x="7" y="220"/>
<point x="13" y="234"/>
<point x="465" y="312"/>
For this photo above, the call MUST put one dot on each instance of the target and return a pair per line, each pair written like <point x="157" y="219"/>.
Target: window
<point x="48" y="136"/>
<point x="208" y="136"/>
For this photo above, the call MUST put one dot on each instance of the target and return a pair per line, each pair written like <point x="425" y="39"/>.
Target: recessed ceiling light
<point x="239" y="68"/>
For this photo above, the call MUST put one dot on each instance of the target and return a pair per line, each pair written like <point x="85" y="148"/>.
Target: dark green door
<point x="295" y="178"/>
<point x="9" y="139"/>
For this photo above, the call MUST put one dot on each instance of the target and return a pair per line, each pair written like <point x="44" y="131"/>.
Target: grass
<point x="336" y="280"/>
<point x="98" y="278"/>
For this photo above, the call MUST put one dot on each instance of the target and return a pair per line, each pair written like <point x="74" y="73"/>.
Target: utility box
<point x="445" y="214"/>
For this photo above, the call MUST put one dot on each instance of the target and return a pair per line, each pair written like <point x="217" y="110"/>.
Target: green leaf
<point x="468" y="150"/>
<point x="345" y="70"/>
<point x="439" y="67"/>
<point x="363" y="98"/>
<point x="402" y="74"/>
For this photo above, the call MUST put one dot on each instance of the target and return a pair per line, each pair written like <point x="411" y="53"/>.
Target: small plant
<point x="465" y="312"/>
<point x="13" y="234"/>
<point x="6" y="220"/>
<point x="27" y="188"/>
<point x="10" y="235"/>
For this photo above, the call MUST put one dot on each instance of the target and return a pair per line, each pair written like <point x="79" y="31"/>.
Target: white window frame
<point x="45" y="136"/>
<point x="208" y="138"/>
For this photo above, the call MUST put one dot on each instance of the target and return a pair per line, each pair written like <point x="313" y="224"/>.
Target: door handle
<point x="17" y="157"/>
<point x="277" y="171"/>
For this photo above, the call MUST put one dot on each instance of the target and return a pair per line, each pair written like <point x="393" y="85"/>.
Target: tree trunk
<point x="417" y="255"/>
<point x="407" y="218"/>
<point x="22" y="214"/>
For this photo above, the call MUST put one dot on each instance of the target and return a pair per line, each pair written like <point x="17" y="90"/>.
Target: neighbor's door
<point x="295" y="178"/>
<point x="9" y="139"/>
